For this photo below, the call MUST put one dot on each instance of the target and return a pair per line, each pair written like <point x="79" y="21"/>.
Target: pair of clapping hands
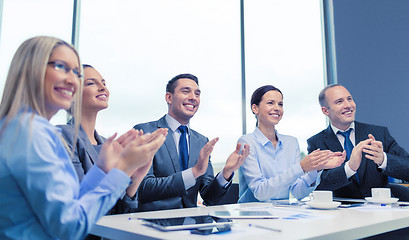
<point x="372" y="149"/>
<point x="233" y="162"/>
<point x="322" y="159"/>
<point x="132" y="152"/>
<point x="326" y="159"/>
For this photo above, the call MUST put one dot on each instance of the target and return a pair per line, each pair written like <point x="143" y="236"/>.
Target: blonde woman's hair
<point x="24" y="88"/>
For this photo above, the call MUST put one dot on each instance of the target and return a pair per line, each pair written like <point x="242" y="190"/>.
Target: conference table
<point x="295" y="221"/>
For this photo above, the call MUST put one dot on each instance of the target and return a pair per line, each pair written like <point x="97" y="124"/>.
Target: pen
<point x="264" y="227"/>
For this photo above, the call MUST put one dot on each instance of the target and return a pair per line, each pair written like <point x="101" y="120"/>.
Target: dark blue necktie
<point x="348" y="146"/>
<point x="183" y="153"/>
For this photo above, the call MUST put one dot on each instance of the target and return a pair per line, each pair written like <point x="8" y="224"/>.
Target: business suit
<point x="163" y="186"/>
<point x="85" y="156"/>
<point x="370" y="175"/>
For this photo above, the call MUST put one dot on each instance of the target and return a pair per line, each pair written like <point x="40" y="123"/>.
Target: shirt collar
<point x="174" y="124"/>
<point x="263" y="140"/>
<point x="335" y="129"/>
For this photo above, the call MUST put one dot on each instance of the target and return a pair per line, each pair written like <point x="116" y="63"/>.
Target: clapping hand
<point x="315" y="160"/>
<point x="112" y="148"/>
<point x="335" y="160"/>
<point x="141" y="150"/>
<point x="235" y="160"/>
<point x="374" y="150"/>
<point x="201" y="165"/>
<point x="356" y="155"/>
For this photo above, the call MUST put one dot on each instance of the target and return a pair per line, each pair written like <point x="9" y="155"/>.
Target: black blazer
<point x="85" y="156"/>
<point x="370" y="175"/>
<point x="163" y="187"/>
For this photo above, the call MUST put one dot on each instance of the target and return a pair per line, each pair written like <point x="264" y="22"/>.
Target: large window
<point x="284" y="49"/>
<point x="139" y="45"/>
<point x="23" y="19"/>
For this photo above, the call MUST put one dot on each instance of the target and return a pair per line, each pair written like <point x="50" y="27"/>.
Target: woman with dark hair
<point x="274" y="168"/>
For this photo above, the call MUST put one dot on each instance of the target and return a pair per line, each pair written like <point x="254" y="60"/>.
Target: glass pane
<point x="284" y="49"/>
<point x="23" y="19"/>
<point x="138" y="46"/>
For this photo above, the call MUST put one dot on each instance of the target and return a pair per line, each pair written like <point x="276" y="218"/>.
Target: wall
<point x="372" y="54"/>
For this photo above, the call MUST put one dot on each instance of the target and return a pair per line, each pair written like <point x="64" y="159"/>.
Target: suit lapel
<point x="170" y="145"/>
<point x="361" y="133"/>
<point x="331" y="141"/>
<point x="92" y="153"/>
<point x="89" y="148"/>
<point x="194" y="152"/>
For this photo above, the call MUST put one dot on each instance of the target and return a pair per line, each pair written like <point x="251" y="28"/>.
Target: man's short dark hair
<point x="322" y="98"/>
<point x="170" y="87"/>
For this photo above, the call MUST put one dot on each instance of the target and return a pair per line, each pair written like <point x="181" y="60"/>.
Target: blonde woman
<point x="41" y="197"/>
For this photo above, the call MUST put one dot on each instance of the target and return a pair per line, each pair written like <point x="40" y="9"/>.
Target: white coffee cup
<point x="321" y="196"/>
<point x="381" y="193"/>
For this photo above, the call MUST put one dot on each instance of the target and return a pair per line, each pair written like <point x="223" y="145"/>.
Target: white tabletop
<point x="295" y="222"/>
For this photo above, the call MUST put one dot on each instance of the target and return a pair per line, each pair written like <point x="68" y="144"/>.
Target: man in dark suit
<point x="373" y="152"/>
<point x="174" y="180"/>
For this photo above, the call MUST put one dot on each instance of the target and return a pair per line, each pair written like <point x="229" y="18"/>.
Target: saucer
<point x="382" y="201"/>
<point x="323" y="205"/>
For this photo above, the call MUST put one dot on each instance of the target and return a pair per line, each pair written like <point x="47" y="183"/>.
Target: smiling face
<point x="60" y="87"/>
<point x="340" y="107"/>
<point x="270" y="109"/>
<point x="95" y="94"/>
<point x="184" y="102"/>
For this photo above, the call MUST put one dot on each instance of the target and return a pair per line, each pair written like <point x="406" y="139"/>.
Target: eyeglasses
<point x="61" y="66"/>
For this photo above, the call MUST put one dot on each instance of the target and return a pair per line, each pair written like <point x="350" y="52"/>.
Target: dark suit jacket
<point x="85" y="156"/>
<point x="370" y="176"/>
<point x="163" y="187"/>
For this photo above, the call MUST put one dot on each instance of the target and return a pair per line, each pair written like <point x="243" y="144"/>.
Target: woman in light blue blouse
<point x="41" y="197"/>
<point x="274" y="168"/>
